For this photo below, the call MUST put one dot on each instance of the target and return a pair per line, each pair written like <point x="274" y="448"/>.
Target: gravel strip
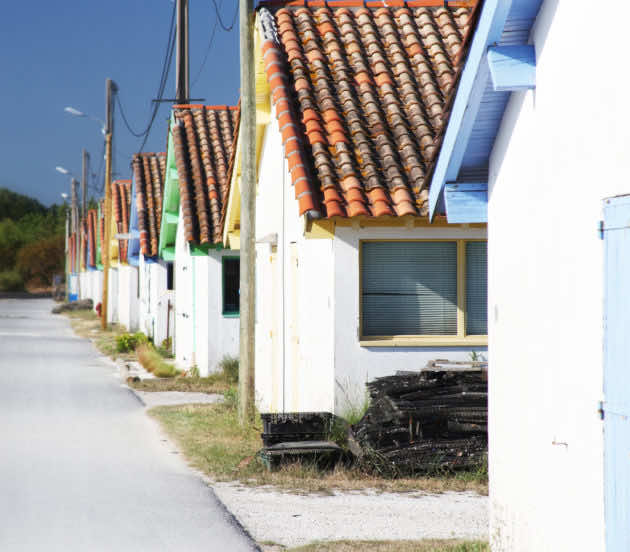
<point x="172" y="398"/>
<point x="296" y="520"/>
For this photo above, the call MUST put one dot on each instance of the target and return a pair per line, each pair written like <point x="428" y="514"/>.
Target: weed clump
<point x="153" y="362"/>
<point x="229" y="367"/>
<point x="128" y="342"/>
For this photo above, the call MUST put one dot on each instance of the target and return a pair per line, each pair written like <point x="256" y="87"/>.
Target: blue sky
<point x="58" y="54"/>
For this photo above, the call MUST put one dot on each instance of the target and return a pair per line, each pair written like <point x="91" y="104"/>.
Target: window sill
<point x="425" y="341"/>
<point x="231" y="315"/>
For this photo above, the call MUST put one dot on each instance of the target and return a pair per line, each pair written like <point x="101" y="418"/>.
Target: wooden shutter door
<point x="616" y="407"/>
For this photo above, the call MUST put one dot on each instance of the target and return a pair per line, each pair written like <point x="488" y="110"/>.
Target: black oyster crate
<point x="295" y="426"/>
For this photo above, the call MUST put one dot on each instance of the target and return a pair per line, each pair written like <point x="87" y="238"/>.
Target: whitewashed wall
<point x="96" y="286"/>
<point x="162" y="303"/>
<point x="84" y="285"/>
<point x="112" y="296"/>
<point x="308" y="356"/>
<point x="183" y="274"/>
<point x="215" y="335"/>
<point x="145" y="320"/>
<point x="561" y="150"/>
<point x="128" y="302"/>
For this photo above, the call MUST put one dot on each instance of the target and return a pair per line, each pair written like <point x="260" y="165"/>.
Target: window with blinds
<point x="476" y="288"/>
<point x="411" y="288"/>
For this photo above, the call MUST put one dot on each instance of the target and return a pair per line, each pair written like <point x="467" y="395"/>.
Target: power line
<point x="205" y="57"/>
<point x="166" y="65"/>
<point x="220" y="20"/>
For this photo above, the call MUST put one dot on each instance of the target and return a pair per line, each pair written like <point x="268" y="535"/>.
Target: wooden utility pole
<point x="84" y="178"/>
<point x="182" y="85"/>
<point x="248" y="215"/>
<point x="110" y="90"/>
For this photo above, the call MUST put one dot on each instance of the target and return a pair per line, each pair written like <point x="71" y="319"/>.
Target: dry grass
<point x="153" y="362"/>
<point x="212" y="440"/>
<point x="395" y="546"/>
<point x="87" y="324"/>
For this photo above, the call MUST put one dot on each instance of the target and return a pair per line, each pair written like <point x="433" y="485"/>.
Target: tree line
<point x="32" y="242"/>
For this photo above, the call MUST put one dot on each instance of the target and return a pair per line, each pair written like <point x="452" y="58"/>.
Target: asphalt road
<point x="81" y="465"/>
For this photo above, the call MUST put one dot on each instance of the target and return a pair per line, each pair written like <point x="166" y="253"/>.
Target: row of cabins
<point x="393" y="143"/>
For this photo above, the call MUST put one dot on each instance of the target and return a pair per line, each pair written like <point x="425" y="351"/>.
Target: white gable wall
<point x="96" y="286"/>
<point x="112" y="296"/>
<point x="294" y="325"/>
<point x="128" y="303"/>
<point x="215" y="335"/>
<point x="561" y="150"/>
<point x="183" y="274"/>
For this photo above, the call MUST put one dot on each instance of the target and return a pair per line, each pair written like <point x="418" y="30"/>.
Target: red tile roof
<point x="148" y="171"/>
<point x="121" y="207"/>
<point x="362" y="97"/>
<point x="91" y="237"/>
<point x="204" y="139"/>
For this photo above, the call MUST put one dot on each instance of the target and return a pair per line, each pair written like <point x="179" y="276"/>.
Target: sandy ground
<point x="295" y="520"/>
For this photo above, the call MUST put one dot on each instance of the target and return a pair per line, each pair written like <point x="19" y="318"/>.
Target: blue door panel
<point x="616" y="407"/>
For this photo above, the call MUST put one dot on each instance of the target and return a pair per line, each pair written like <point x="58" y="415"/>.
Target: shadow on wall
<point x="541" y="30"/>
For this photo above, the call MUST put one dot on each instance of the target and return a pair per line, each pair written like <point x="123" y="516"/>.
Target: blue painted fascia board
<point x="466" y="202"/>
<point x="512" y="68"/>
<point x="134" y="242"/>
<point x="473" y="80"/>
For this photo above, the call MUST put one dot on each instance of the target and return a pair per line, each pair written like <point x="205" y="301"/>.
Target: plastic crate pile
<point x="425" y="422"/>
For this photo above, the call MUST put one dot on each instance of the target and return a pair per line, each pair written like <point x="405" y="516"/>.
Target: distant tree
<point x="11" y="240"/>
<point x="14" y="206"/>
<point x="39" y="260"/>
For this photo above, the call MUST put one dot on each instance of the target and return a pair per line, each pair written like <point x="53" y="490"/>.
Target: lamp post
<point x="67" y="289"/>
<point x="74" y="220"/>
<point x="107" y="129"/>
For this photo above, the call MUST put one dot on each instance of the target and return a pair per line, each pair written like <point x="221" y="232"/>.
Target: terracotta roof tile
<point x="362" y="98"/>
<point x="121" y="207"/>
<point x="203" y="138"/>
<point x="91" y="237"/>
<point x="148" y="171"/>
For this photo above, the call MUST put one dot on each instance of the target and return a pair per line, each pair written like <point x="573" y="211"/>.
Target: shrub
<point x="229" y="367"/>
<point x="10" y="280"/>
<point x="129" y="342"/>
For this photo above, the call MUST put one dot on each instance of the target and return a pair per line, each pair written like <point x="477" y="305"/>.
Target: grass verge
<point x="213" y="441"/>
<point x="87" y="324"/>
<point x="395" y="546"/>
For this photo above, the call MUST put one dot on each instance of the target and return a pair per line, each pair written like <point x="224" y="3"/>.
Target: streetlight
<point x="63" y="170"/>
<point x="78" y="113"/>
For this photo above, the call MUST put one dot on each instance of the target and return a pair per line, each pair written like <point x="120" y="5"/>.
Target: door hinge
<point x="600" y="410"/>
<point x="601" y="229"/>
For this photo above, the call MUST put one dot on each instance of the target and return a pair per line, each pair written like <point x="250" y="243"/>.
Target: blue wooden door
<point x="616" y="407"/>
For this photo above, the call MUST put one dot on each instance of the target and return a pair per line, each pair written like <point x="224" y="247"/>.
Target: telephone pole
<point x="248" y="215"/>
<point x="110" y="90"/>
<point x="84" y="179"/>
<point x="182" y="90"/>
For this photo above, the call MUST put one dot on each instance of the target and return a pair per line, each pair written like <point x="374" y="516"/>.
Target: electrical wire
<point x="205" y="57"/>
<point x="220" y="20"/>
<point x="166" y="66"/>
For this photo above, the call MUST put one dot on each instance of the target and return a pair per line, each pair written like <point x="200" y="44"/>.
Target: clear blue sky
<point x="58" y="54"/>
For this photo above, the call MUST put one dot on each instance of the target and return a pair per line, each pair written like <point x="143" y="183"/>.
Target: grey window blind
<point x="476" y="288"/>
<point x="409" y="288"/>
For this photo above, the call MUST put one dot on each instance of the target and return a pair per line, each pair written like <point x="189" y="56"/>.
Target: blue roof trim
<point x="133" y="252"/>
<point x="468" y="98"/>
<point x="478" y="110"/>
